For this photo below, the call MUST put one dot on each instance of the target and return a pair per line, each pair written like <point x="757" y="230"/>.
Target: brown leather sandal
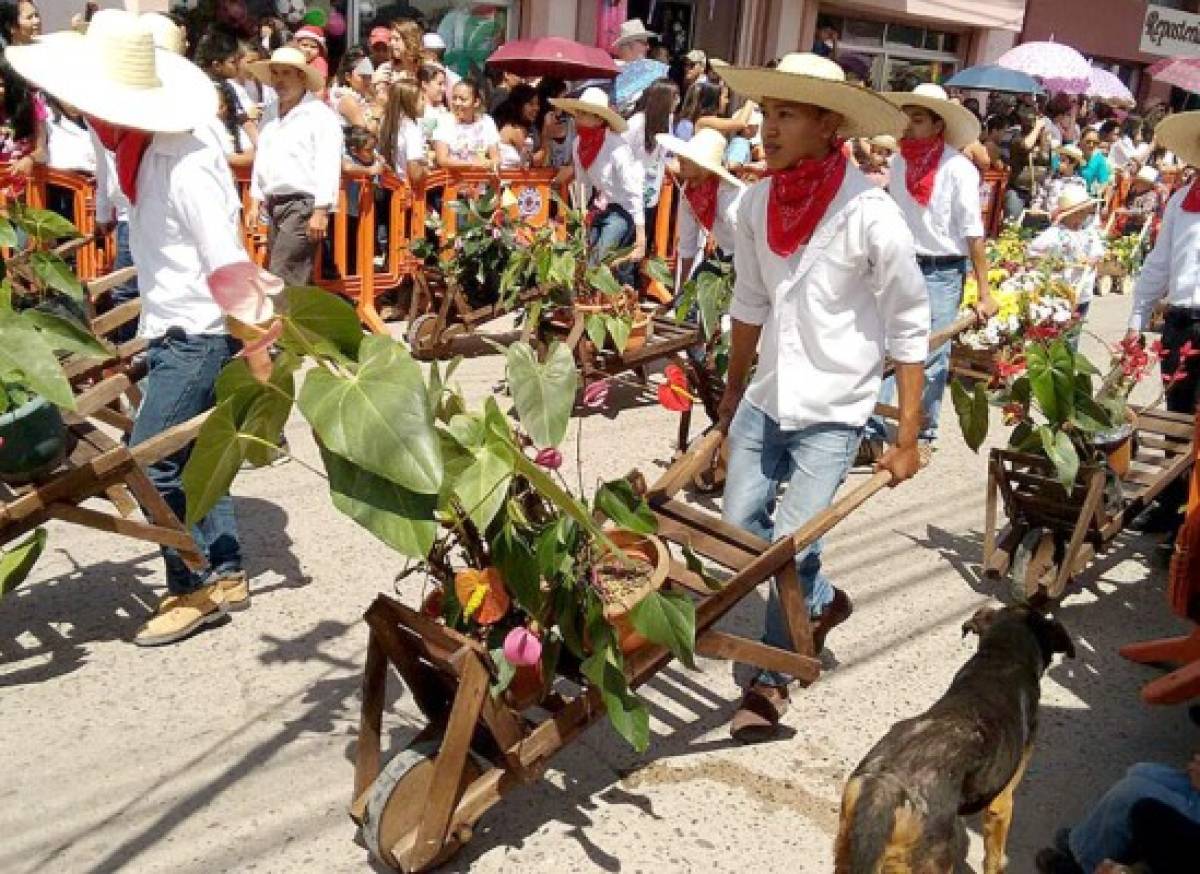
<point x="757" y="717"/>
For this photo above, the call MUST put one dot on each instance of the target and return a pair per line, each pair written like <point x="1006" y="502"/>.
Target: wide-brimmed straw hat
<point x="706" y="148"/>
<point x="633" y="30"/>
<point x="1073" y="199"/>
<point x="1180" y="133"/>
<point x="594" y="101"/>
<point x="115" y="73"/>
<point x="962" y="127"/>
<point x="1072" y="152"/>
<point x="1148" y="175"/>
<point x="802" y="77"/>
<point x="288" y="57"/>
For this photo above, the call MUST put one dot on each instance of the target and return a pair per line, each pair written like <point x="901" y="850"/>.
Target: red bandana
<point x="129" y="146"/>
<point x="921" y="159"/>
<point x="590" y="140"/>
<point x="702" y="199"/>
<point x="798" y="199"/>
<point x="1191" y="200"/>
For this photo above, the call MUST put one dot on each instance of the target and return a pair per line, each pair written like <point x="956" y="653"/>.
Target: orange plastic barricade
<point x="95" y="258"/>
<point x="991" y="200"/>
<point x="531" y="188"/>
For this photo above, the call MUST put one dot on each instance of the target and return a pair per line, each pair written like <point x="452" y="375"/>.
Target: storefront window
<point x="899" y="56"/>
<point x="860" y="33"/>
<point x="904" y="35"/>
<point x="472" y="31"/>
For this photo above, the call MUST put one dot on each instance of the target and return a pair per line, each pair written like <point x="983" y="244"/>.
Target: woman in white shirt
<point x="432" y="80"/>
<point x="654" y="116"/>
<point x="350" y="98"/>
<point x="400" y="139"/>
<point x="68" y="143"/>
<point x="470" y="139"/>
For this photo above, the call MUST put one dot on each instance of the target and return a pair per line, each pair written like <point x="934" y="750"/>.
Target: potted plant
<point x="473" y="498"/>
<point x="476" y="257"/>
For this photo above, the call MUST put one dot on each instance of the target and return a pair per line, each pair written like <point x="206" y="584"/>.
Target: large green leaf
<point x="618" y="501"/>
<point x="657" y="270"/>
<point x="16" y="563"/>
<point x="1061" y="452"/>
<point x="8" y="234"/>
<point x="23" y="349"/>
<point x="626" y="711"/>
<point x="378" y="418"/>
<point x="596" y="330"/>
<point x="56" y="273"/>
<point x="316" y="319"/>
<point x="518" y="565"/>
<point x="65" y="335"/>
<point x="482" y="488"/>
<point x="402" y="519"/>
<point x="43" y="224"/>
<point x="214" y="462"/>
<point x="619" y="329"/>
<point x="972" y="410"/>
<point x="1052" y="378"/>
<point x="670" y="621"/>
<point x="543" y="394"/>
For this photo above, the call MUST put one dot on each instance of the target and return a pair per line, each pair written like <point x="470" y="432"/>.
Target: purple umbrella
<point x="1059" y="67"/>
<point x="1106" y="87"/>
<point x="1181" y="72"/>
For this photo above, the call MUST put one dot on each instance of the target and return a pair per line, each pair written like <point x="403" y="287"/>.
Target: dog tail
<point x="877" y="829"/>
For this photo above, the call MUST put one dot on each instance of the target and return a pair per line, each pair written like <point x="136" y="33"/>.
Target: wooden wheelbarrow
<point x="421" y="805"/>
<point x="447" y="314"/>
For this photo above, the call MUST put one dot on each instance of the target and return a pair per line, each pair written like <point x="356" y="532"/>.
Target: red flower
<point x="1040" y="333"/>
<point x="595" y="396"/>
<point x="1006" y="369"/>
<point x="549" y="458"/>
<point x="1157" y="350"/>
<point x="1013" y="413"/>
<point x="1187" y="351"/>
<point x="673" y="394"/>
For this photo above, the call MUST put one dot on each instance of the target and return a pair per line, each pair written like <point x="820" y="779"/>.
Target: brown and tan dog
<point x="965" y="754"/>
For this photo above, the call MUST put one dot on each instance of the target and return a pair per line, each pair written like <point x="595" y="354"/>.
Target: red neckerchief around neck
<point x="921" y="160"/>
<point x="702" y="198"/>
<point x="1191" y="200"/>
<point x="799" y="197"/>
<point x="129" y="146"/>
<point x="590" y="140"/>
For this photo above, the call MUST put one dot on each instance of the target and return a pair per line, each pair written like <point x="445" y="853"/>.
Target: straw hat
<point x="962" y="127"/>
<point x="1180" y="133"/>
<point x="288" y="57"/>
<point x="706" y="148"/>
<point x="885" y="141"/>
<point x="633" y="30"/>
<point x="1148" y="175"/>
<point x="167" y="34"/>
<point x="1072" y="152"/>
<point x="807" y="78"/>
<point x="594" y="101"/>
<point x="1073" y="199"/>
<point x="115" y="73"/>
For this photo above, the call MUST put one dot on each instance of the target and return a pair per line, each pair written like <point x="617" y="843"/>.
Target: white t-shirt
<point x="653" y="160"/>
<point x="69" y="145"/>
<point x="433" y="118"/>
<point x="468" y="141"/>
<point x="410" y="146"/>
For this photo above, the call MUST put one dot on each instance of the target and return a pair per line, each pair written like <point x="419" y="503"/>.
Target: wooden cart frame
<point x="1051" y="536"/>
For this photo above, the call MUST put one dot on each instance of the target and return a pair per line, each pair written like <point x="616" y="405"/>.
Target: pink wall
<point x="1108" y="28"/>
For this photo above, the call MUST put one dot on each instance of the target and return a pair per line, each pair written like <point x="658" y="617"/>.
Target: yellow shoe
<point x="234" y="588"/>
<point x="180" y="615"/>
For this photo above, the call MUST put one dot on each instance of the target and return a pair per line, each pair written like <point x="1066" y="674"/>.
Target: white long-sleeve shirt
<point x="617" y="175"/>
<point x="724" y="229"/>
<point x="831" y="310"/>
<point x="953" y="215"/>
<point x="183" y="227"/>
<point x="111" y="203"/>
<point x="300" y="153"/>
<point x="1172" y="270"/>
<point x="653" y="161"/>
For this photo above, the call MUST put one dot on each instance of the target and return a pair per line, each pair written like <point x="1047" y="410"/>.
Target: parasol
<point x="992" y="77"/>
<point x="1181" y="72"/>
<point x="553" y="56"/>
<point x="1107" y="88"/>
<point x="635" y="78"/>
<point x="1058" y="67"/>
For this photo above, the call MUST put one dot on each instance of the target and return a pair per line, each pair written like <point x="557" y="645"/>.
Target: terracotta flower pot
<point x="617" y="609"/>
<point x="1117" y="445"/>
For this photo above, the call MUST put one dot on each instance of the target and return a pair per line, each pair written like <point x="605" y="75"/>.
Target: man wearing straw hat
<point x="1171" y="273"/>
<point x="633" y="42"/>
<point x="827" y="285"/>
<point x="297" y="165"/>
<point x="183" y="229"/>
<point x="937" y="189"/>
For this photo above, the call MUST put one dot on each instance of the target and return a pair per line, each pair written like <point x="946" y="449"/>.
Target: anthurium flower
<point x="549" y="458"/>
<point x="244" y="290"/>
<point x="595" y="396"/>
<point x="522" y="648"/>
<point x="673" y="394"/>
<point x="482" y="595"/>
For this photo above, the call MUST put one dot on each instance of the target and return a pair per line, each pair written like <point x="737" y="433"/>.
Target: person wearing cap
<point x="379" y="46"/>
<point x="827" y="286"/>
<point x="1171" y="274"/>
<point x="433" y="51"/>
<point x="351" y="95"/>
<point x="1142" y="204"/>
<point x="633" y="42"/>
<point x="605" y="164"/>
<point x="310" y="39"/>
<point x="695" y="64"/>
<point x="184" y="234"/>
<point x="1045" y="199"/>
<point x="297" y="167"/>
<point x="1075" y="242"/>
<point x="937" y="190"/>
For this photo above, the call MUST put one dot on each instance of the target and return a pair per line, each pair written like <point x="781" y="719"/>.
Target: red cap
<point x="379" y="35"/>
<point x="311" y="31"/>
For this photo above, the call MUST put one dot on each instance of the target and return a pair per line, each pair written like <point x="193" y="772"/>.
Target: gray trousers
<point x="290" y="252"/>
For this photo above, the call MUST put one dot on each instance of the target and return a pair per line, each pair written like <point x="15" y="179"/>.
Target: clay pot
<point x="649" y="549"/>
<point x="1117" y="445"/>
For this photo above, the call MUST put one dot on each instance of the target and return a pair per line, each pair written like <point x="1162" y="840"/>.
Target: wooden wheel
<point x="422" y="336"/>
<point x="1032" y="562"/>
<point x="396" y="801"/>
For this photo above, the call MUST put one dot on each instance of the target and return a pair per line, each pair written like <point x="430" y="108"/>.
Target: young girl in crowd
<point x="654" y="115"/>
<point x="432" y="80"/>
<point x="20" y="22"/>
<point x="701" y="99"/>
<point x="237" y="133"/>
<point x="360" y="161"/>
<point x="253" y="94"/>
<point x="554" y="129"/>
<point x="351" y="96"/>
<point x="310" y="39"/>
<point x="22" y="127"/>
<point x="406" y="50"/>
<point x="1074" y="240"/>
<point x="401" y="141"/>
<point x="515" y="118"/>
<point x="470" y="138"/>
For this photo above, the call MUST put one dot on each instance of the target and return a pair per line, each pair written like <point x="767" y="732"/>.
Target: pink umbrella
<point x="1181" y="72"/>
<point x="1059" y="67"/>
<point x="1106" y="87"/>
<point x="553" y="56"/>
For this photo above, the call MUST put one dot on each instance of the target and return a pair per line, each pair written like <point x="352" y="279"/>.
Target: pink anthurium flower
<point x="549" y="458"/>
<point x="522" y="648"/>
<point x="243" y="290"/>
<point x="595" y="396"/>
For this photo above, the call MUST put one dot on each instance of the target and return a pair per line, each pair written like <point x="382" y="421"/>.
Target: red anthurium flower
<point x="1187" y="350"/>
<point x="673" y="394"/>
<point x="595" y="396"/>
<point x="549" y="458"/>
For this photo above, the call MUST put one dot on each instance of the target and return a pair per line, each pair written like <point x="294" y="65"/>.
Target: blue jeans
<point x="945" y="286"/>
<point x="127" y="290"/>
<point x="812" y="462"/>
<point x="613" y="229"/>
<point x="1106" y="833"/>
<point x="180" y="384"/>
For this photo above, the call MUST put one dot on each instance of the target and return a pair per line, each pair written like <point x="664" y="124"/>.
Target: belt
<point x="939" y="261"/>
<point x="274" y="200"/>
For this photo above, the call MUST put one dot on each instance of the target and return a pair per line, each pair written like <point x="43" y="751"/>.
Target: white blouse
<point x="654" y="161"/>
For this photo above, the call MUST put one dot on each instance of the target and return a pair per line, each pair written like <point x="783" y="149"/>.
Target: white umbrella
<point x="1107" y="87"/>
<point x="1058" y="66"/>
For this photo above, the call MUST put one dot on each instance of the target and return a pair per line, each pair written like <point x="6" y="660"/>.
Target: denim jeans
<point x="180" y="384"/>
<point x="1106" y="833"/>
<point x="945" y="286"/>
<point x="127" y="290"/>
<point x="613" y="229"/>
<point x="812" y="462"/>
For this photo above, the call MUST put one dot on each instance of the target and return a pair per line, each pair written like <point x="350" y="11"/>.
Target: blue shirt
<point x="738" y="151"/>
<point x="1096" y="173"/>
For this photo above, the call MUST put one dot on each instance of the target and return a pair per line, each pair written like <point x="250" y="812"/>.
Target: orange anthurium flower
<point x="482" y="595"/>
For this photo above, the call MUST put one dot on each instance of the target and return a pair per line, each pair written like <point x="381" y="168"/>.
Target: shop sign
<point x="1170" y="32"/>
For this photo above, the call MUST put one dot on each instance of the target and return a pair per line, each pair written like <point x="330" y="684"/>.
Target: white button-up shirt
<point x="111" y="203"/>
<point x="953" y="215"/>
<point x="724" y="229"/>
<point x="183" y="227"/>
<point x="830" y="311"/>
<point x="617" y="175"/>
<point x="300" y="153"/>
<point x="1172" y="270"/>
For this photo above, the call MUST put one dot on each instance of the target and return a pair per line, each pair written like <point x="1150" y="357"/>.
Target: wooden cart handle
<point x="821" y="523"/>
<point x="685" y="467"/>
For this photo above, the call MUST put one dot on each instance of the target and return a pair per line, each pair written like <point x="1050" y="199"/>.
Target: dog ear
<point x="980" y="621"/>
<point x="1052" y="636"/>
